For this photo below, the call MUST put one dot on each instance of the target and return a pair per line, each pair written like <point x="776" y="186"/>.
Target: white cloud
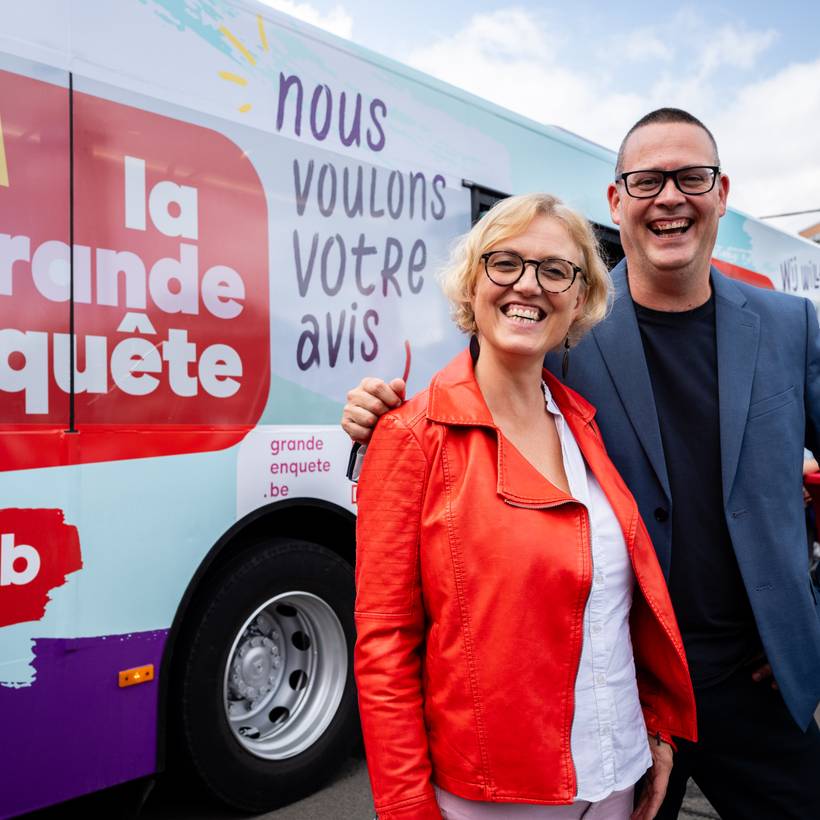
<point x="645" y="44"/>
<point x="733" y="46"/>
<point x="767" y="130"/>
<point x="509" y="58"/>
<point x="694" y="41"/>
<point x="768" y="138"/>
<point x="337" y="21"/>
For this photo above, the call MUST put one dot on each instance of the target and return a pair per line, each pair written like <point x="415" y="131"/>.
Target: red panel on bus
<point x="34" y="219"/>
<point x="170" y="288"/>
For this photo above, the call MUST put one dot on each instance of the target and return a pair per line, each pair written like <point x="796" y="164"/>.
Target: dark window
<point x="481" y="199"/>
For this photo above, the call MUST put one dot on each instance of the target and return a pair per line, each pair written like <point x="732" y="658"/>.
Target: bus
<point x="214" y="219"/>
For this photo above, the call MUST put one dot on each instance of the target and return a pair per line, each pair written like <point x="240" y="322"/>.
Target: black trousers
<point x="751" y="761"/>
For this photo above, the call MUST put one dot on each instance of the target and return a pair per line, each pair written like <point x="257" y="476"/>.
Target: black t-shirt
<point x="707" y="591"/>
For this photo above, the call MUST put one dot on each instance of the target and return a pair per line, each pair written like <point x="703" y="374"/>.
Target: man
<point x="704" y="388"/>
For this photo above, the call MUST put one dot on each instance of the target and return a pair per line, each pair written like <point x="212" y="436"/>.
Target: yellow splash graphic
<point x="263" y="37"/>
<point x="238" y="79"/>
<point x="4" y="169"/>
<point x="233" y="78"/>
<point x="232" y="38"/>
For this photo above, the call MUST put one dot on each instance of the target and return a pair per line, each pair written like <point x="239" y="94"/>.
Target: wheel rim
<point x="285" y="675"/>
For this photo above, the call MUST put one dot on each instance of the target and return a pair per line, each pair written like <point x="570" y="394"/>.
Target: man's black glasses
<point x="693" y="180"/>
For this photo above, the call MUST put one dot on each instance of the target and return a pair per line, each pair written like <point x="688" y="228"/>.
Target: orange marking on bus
<point x="140" y="674"/>
<point x="235" y="42"/>
<point x="243" y="109"/>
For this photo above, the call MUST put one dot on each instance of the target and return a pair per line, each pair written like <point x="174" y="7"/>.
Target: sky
<point x="749" y="70"/>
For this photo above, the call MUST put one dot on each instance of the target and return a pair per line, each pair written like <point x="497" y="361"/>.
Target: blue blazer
<point x="768" y="355"/>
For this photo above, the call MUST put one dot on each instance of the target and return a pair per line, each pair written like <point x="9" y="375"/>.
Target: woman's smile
<point x="523" y="319"/>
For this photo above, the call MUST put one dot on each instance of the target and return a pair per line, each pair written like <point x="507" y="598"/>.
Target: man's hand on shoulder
<point x="365" y="403"/>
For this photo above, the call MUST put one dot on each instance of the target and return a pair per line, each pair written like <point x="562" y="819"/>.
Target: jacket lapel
<point x="619" y="340"/>
<point x="455" y="400"/>
<point x="737" y="331"/>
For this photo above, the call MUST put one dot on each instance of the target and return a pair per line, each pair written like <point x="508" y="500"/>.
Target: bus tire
<point x="268" y="703"/>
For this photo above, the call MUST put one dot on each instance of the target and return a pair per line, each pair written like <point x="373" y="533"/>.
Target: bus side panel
<point x="73" y="731"/>
<point x="755" y="252"/>
<point x="40" y="546"/>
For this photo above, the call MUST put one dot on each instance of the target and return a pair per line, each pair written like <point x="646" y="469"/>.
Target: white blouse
<point x="609" y="745"/>
<point x="608" y="742"/>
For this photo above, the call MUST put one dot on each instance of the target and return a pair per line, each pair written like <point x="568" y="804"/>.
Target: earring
<point x="565" y="360"/>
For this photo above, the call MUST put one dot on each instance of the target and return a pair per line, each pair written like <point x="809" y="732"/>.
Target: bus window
<point x="610" y="242"/>
<point x="481" y="199"/>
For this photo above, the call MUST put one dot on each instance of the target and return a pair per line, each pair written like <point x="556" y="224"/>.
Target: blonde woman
<point x="517" y="652"/>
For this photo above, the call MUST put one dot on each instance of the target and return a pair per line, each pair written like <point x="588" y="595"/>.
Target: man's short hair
<point x="664" y="116"/>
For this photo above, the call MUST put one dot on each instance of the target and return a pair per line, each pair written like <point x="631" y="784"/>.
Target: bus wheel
<point x="268" y="704"/>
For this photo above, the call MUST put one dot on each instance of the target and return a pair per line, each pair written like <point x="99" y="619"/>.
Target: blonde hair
<point x="510" y="217"/>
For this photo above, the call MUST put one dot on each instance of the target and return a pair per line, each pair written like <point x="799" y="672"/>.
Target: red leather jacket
<point x="472" y="577"/>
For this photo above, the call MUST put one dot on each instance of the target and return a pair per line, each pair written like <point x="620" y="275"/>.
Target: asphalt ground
<point x="346" y="797"/>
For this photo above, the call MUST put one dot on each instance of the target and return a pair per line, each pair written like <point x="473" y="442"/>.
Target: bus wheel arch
<point x="279" y="586"/>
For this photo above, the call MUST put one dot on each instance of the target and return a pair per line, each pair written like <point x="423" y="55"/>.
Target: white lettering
<point x="93" y="378"/>
<point x="51" y="270"/>
<point x="184" y="223"/>
<point x="24" y="366"/>
<point x="222" y="287"/>
<point x="11" y="552"/>
<point x="33" y="347"/>
<point x="136" y="323"/>
<point x="110" y="264"/>
<point x="179" y="353"/>
<point x="216" y="365"/>
<point x="184" y="271"/>
<point x="12" y="249"/>
<point x="173" y="284"/>
<point x="135" y="356"/>
<point x="135" y="193"/>
<point x="82" y="274"/>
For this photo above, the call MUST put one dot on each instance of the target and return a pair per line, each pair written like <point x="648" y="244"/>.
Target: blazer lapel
<point x="737" y="331"/>
<point x="619" y="340"/>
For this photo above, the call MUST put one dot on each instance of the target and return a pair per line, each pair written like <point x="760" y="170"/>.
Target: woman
<point x="498" y="551"/>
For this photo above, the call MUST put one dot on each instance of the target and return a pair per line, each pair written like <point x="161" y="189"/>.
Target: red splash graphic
<point x="37" y="551"/>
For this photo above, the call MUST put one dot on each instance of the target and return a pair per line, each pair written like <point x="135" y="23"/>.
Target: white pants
<point x="616" y="806"/>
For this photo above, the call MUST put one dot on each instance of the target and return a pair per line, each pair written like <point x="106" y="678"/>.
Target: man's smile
<point x="670" y="227"/>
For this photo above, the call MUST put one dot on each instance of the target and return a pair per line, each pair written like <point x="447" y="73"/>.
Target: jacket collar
<point x="455" y="397"/>
<point x="456" y="400"/>
<point x="737" y="336"/>
<point x="619" y="341"/>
